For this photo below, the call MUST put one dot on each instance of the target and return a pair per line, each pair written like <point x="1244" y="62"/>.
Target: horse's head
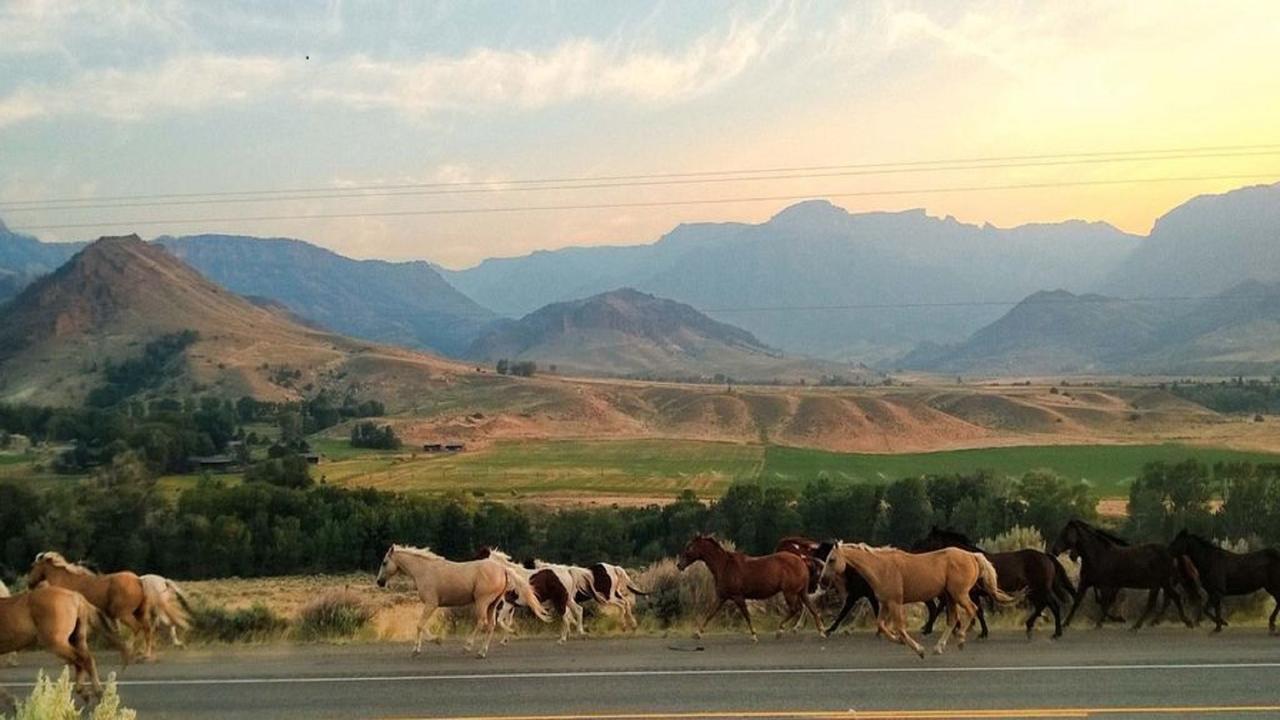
<point x="39" y="569"/>
<point x="389" y="568"/>
<point x="833" y="564"/>
<point x="695" y="551"/>
<point x="1068" y="540"/>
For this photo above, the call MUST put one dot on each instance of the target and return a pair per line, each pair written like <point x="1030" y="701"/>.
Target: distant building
<point x="451" y="447"/>
<point x="213" y="463"/>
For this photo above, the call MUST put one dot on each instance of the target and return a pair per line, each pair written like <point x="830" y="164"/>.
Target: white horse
<point x="611" y="585"/>
<point x="169" y="605"/>
<point x="444" y="583"/>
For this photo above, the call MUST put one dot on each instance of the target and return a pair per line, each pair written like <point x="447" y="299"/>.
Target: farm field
<point x="662" y="468"/>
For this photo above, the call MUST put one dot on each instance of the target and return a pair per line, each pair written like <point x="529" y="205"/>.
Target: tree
<point x="370" y="435"/>
<point x="503" y="366"/>
<point x="290" y="471"/>
<point x="909" y="514"/>
<point x="1048" y="501"/>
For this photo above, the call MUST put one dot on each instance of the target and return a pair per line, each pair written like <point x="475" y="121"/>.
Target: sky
<point x="205" y="98"/>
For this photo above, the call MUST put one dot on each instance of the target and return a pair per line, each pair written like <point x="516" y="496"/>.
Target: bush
<point x="1016" y="538"/>
<point x="255" y="623"/>
<point x="335" y="614"/>
<point x="51" y="700"/>
<point x="370" y="435"/>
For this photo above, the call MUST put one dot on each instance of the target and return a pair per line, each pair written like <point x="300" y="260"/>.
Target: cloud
<point x="477" y="80"/>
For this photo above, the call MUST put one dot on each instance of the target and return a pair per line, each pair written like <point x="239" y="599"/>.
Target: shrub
<point x="1015" y="538"/>
<point x="50" y="700"/>
<point x="255" y="623"/>
<point x="335" y="614"/>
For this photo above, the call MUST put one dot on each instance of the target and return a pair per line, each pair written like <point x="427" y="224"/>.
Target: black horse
<point x="1040" y="574"/>
<point x="815" y="553"/>
<point x="1223" y="572"/>
<point x="1108" y="562"/>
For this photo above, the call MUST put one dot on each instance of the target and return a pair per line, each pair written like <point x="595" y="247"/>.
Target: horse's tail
<point x="990" y="584"/>
<point x="163" y="606"/>
<point x="179" y="593"/>
<point x="525" y="592"/>
<point x="624" y="579"/>
<point x="635" y="590"/>
<point x="90" y="617"/>
<point x="1062" y="585"/>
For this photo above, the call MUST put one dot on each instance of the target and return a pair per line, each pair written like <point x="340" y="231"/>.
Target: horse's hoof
<point x="920" y="652"/>
<point x="561" y="641"/>
<point x="481" y="655"/>
<point x="755" y="638"/>
<point x="697" y="635"/>
<point x="937" y="650"/>
<point x="415" y="654"/>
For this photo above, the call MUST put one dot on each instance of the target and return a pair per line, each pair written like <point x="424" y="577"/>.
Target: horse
<point x="1040" y="574"/>
<point x="444" y="583"/>
<point x="170" y="607"/>
<point x="815" y="553"/>
<point x="1223" y="572"/>
<point x="59" y="620"/>
<point x="553" y="585"/>
<point x="611" y="585"/>
<point x="119" y="595"/>
<point x="12" y="658"/>
<point x="740" y="577"/>
<point x="1110" y="563"/>
<point x="899" y="577"/>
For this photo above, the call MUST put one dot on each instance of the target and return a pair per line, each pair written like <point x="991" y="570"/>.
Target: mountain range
<point x="627" y="332"/>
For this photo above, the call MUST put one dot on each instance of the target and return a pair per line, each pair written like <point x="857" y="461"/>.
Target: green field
<point x="661" y="467"/>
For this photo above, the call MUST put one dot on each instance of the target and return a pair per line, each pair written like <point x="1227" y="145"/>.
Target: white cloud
<point x="478" y="80"/>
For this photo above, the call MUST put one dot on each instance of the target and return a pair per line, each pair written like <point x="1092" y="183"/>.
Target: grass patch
<point x="338" y="614"/>
<point x="256" y="623"/>
<point x="1108" y="468"/>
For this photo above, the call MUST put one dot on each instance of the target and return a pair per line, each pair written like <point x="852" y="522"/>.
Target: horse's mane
<point x="954" y="536"/>
<point x="418" y="551"/>
<point x="868" y="548"/>
<point x="1104" y="534"/>
<point x="1201" y="541"/>
<point x="56" y="559"/>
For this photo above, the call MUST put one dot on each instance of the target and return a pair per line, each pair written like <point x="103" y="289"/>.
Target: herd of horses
<point x="944" y="571"/>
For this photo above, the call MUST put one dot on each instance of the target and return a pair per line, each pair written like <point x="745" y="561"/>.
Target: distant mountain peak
<point x="810" y="212"/>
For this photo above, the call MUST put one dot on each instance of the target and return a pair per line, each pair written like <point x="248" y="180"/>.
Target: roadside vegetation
<point x="55" y="700"/>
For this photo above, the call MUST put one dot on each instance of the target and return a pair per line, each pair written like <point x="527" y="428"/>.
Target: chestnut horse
<point x="120" y="595"/>
<point x="740" y="577"/>
<point x="899" y="577"/>
<point x="815" y="554"/>
<point x="59" y="620"/>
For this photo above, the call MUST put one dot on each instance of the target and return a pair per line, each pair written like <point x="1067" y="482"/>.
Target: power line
<point x="1118" y="155"/>
<point x="358" y="194"/>
<point x="655" y="203"/>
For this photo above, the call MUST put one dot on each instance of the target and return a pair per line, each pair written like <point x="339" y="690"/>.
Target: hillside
<point x="630" y="333"/>
<point x="406" y="303"/>
<point x="1236" y="332"/>
<point x="1206" y="246"/>
<point x="815" y="253"/>
<point x="119" y="294"/>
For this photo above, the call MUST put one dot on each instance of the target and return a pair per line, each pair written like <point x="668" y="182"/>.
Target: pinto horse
<point x="1110" y="563"/>
<point x="1038" y="573"/>
<point x="740" y="577"/>
<point x="1227" y="573"/>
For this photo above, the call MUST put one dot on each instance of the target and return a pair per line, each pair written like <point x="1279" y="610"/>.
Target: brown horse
<point x="898" y="577"/>
<point x="740" y="577"/>
<point x="60" y="621"/>
<point x="120" y="596"/>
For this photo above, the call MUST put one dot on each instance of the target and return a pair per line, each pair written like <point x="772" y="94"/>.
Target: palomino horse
<point x="899" y="577"/>
<point x="170" y="607"/>
<point x="120" y="595"/>
<point x="741" y="577"/>
<point x="1110" y="563"/>
<point x="855" y="586"/>
<point x="1223" y="572"/>
<point x="444" y="583"/>
<point x="1038" y="573"/>
<point x="4" y="593"/>
<point x="59" y="620"/>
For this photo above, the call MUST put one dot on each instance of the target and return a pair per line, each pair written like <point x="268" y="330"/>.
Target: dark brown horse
<point x="1110" y="563"/>
<point x="740" y="577"/>
<point x="815" y="554"/>
<point x="1040" y="574"/>
<point x="1223" y="572"/>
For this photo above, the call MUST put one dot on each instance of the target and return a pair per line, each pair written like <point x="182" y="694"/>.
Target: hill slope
<point x="1206" y="246"/>
<point x="815" y="253"/>
<point x="118" y="294"/>
<point x="630" y="333"/>
<point x="23" y="259"/>
<point x="405" y="303"/>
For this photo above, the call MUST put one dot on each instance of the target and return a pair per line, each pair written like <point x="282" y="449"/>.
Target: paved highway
<point x="1109" y="673"/>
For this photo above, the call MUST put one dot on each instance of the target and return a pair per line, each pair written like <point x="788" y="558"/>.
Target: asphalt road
<point x="1110" y="673"/>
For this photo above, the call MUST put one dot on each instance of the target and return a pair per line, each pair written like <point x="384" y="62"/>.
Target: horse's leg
<point x="794" y="608"/>
<point x="1038" y="605"/>
<point x="506" y="615"/>
<point x="702" y="625"/>
<point x="901" y="621"/>
<point x="1271" y="622"/>
<point x="946" y="632"/>
<point x="934" y="607"/>
<point x="1218" y="620"/>
<point x="487" y="616"/>
<point x="1075" y="603"/>
<point x="1107" y="598"/>
<point x="982" y="617"/>
<point x="1171" y="592"/>
<point x="428" y="609"/>
<point x="808" y="604"/>
<point x="849" y="602"/>
<point x="1152" y="595"/>
<point x="742" y="608"/>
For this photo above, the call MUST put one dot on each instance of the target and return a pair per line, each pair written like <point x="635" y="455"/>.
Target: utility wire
<point x="655" y="203"/>
<point x="1127" y="155"/>
<point x="1075" y="299"/>
<point x="350" y="194"/>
